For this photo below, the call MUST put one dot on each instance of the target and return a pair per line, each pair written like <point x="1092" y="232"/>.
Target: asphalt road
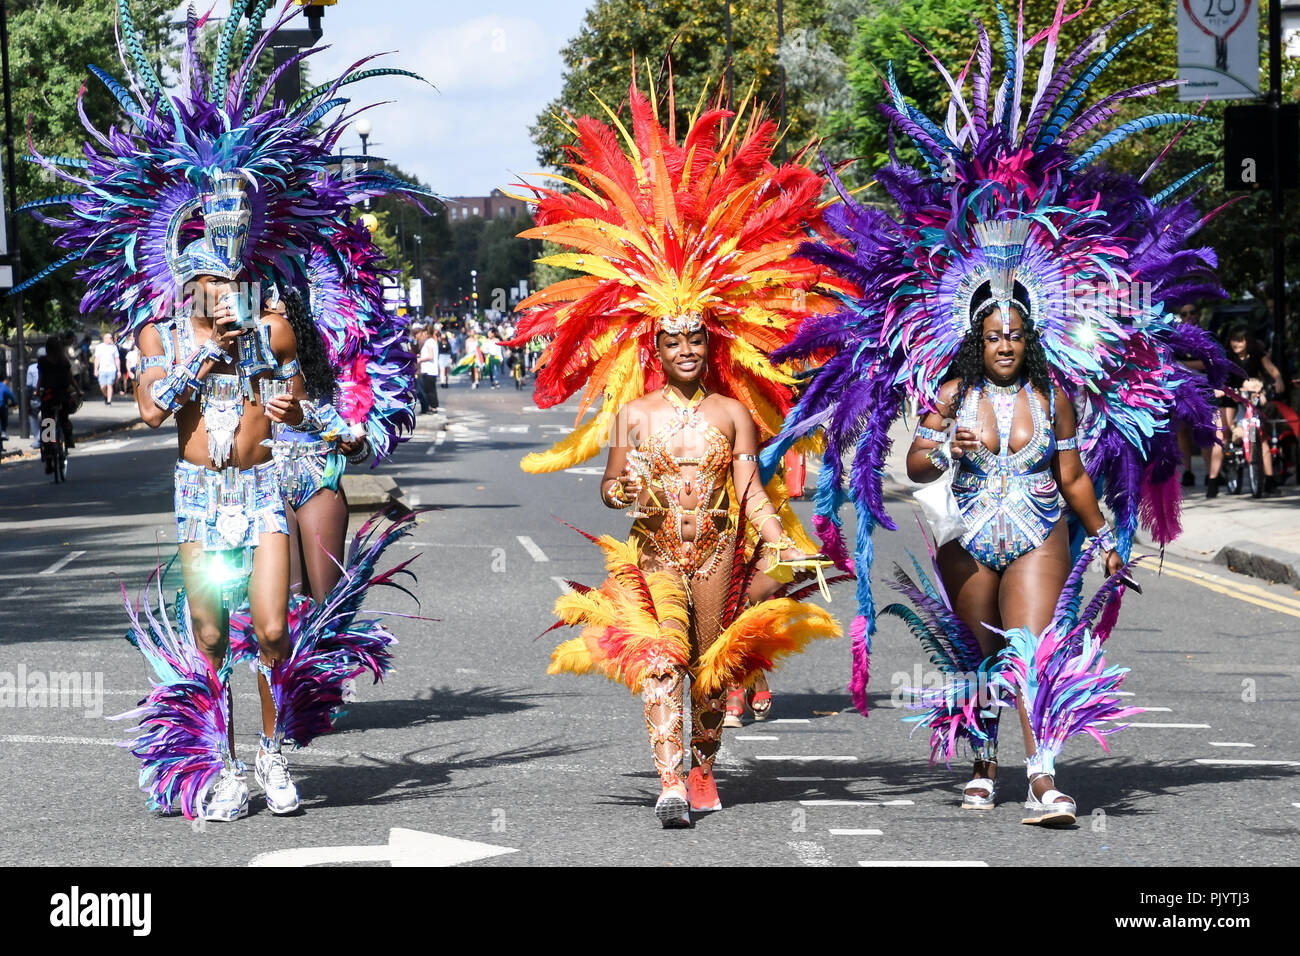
<point x="470" y="739"/>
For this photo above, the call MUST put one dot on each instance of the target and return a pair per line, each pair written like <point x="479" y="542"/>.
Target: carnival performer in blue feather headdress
<point x="1020" y="298"/>
<point x="186" y="213"/>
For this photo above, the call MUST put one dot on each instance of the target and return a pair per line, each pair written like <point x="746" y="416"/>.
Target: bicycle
<point x="54" y="453"/>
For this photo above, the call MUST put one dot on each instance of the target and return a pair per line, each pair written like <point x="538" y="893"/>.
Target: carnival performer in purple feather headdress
<point x="1020" y="298"/>
<point x="185" y="213"/>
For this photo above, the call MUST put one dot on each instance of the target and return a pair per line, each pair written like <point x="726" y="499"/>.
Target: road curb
<point x="1260" y="561"/>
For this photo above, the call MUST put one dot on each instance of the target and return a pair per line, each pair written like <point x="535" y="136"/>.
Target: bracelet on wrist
<point x="613" y="496"/>
<point x="940" y="456"/>
<point x="1106" y="539"/>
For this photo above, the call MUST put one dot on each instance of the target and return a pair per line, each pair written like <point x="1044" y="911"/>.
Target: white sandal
<point x="973" y="801"/>
<point x="1049" y="810"/>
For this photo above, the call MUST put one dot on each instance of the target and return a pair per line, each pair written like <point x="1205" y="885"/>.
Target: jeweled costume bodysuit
<point x="1009" y="499"/>
<point x="703" y="563"/>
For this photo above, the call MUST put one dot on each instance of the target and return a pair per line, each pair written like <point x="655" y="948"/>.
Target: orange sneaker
<point x="703" y="789"/>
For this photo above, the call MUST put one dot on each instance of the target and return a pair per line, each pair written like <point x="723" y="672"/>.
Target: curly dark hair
<point x="968" y="364"/>
<point x="317" y="372"/>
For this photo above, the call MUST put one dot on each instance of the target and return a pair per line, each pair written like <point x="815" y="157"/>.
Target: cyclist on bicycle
<point x="1250" y="355"/>
<point x="58" y="392"/>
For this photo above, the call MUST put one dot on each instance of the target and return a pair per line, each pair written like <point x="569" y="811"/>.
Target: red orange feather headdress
<point x="670" y="234"/>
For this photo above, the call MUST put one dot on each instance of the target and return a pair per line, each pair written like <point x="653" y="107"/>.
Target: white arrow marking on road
<point x="562" y="584"/>
<point x="1221" y="743"/>
<point x="922" y="863"/>
<point x="63" y="562"/>
<point x="534" y="552"/>
<point x="405" y="848"/>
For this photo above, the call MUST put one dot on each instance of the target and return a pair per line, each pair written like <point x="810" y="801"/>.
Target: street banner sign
<point x="1218" y="49"/>
<point x="416" y="299"/>
<point x="4" y="224"/>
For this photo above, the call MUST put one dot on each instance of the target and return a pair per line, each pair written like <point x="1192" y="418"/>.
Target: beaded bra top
<point x="666" y="482"/>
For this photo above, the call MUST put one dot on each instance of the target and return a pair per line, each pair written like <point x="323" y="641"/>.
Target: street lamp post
<point x="16" y="260"/>
<point x="419" y="268"/>
<point x="364" y="129"/>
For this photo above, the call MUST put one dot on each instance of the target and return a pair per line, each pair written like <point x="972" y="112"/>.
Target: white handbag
<point x="939" y="506"/>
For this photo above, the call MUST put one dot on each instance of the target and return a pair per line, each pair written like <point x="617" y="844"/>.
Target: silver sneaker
<point x="272" y="772"/>
<point x="228" y="799"/>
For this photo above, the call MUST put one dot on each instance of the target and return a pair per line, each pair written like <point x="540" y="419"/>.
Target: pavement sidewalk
<point x="1258" y="537"/>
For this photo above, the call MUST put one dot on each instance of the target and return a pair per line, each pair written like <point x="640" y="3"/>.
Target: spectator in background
<point x="428" y="364"/>
<point x="33" y="399"/>
<point x="7" y="401"/>
<point x="444" y="359"/>
<point x="108" y="366"/>
<point x="132" y="362"/>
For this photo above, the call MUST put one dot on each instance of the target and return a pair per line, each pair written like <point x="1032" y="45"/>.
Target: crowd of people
<point x="466" y="349"/>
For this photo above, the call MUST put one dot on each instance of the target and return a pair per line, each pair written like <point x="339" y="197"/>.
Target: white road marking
<point x="800" y="779"/>
<point x="792" y="720"/>
<point x="857" y="803"/>
<point x="1224" y="761"/>
<point x="431" y="449"/>
<point x="584" y="470"/>
<point x="922" y="863"/>
<point x="442" y="437"/>
<point x="534" y="552"/>
<point x="807" y="757"/>
<point x="857" y="832"/>
<point x="63" y="561"/>
<point x="562" y="584"/>
<point x="1123" y="693"/>
<point x="404" y="848"/>
<point x="1173" y="726"/>
<point x="756" y="737"/>
<point x="1224" y="743"/>
<point x="509" y="429"/>
<point x="1158" y="710"/>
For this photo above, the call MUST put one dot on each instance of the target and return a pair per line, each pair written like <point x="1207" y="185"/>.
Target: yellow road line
<point x="1209" y="582"/>
<point x="1237" y="586"/>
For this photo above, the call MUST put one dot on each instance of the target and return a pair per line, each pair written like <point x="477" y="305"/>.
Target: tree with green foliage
<point x="51" y="44"/>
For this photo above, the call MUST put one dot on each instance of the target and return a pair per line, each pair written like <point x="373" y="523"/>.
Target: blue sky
<point x="495" y="63"/>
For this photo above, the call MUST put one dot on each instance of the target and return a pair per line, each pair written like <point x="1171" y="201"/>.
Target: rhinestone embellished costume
<point x="667" y="484"/>
<point x="1008" y="499"/>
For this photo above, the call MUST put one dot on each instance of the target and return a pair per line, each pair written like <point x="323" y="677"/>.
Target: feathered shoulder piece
<point x="673" y="235"/>
<point x="213" y="178"/>
<point x="1010" y="207"/>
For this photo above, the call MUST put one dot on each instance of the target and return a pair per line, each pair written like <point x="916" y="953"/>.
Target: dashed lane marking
<point x="584" y="470"/>
<point x="755" y="737"/>
<point x="803" y="758"/>
<point x="845" y="832"/>
<point x="1172" y="726"/>
<point x="857" y="803"/>
<point x="1226" y="743"/>
<point x="562" y="584"/>
<point x="63" y="562"/>
<point x="927" y="863"/>
<point x="801" y="779"/>
<point x="792" y="720"/>
<point x="534" y="552"/>
<point x="1227" y="762"/>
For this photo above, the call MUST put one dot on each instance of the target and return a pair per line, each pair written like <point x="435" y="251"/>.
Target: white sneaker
<point x="272" y="772"/>
<point x="228" y="799"/>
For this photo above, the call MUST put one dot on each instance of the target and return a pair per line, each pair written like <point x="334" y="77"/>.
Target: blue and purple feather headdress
<point x="1100" y="263"/>
<point x="136" y="226"/>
